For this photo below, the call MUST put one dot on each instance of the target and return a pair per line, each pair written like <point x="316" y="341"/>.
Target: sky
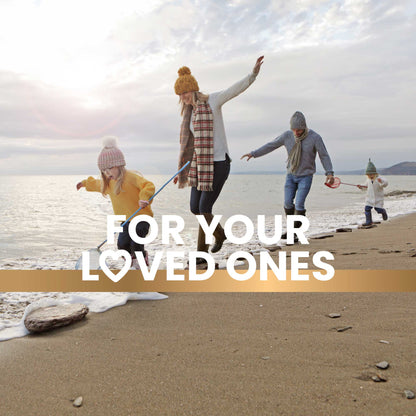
<point x="74" y="71"/>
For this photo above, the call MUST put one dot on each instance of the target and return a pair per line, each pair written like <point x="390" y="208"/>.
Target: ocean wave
<point x="400" y="193"/>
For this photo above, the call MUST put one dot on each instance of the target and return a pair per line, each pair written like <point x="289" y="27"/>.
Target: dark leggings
<point x="203" y="201"/>
<point x="125" y="242"/>
<point x="368" y="208"/>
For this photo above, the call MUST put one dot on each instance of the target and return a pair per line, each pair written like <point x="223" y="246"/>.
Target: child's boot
<point x="384" y="214"/>
<point x="368" y="218"/>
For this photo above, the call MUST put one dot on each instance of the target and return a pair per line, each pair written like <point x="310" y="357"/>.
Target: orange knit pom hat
<point x="186" y="82"/>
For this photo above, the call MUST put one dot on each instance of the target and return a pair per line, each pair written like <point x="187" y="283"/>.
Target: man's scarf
<point x="200" y="145"/>
<point x="296" y="152"/>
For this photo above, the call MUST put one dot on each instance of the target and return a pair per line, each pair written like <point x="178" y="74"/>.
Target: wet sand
<point x="233" y="353"/>
<point x="389" y="245"/>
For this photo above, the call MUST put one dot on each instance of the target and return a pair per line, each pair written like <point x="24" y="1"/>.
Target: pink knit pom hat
<point x="111" y="155"/>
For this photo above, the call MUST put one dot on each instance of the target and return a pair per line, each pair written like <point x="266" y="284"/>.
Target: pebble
<point x="382" y="341"/>
<point x="389" y="251"/>
<point x="344" y="328"/>
<point x="364" y="227"/>
<point x="409" y="394"/>
<point x="378" y="378"/>
<point x="77" y="402"/>
<point x="265" y="358"/>
<point x="334" y="315"/>
<point x="273" y="248"/>
<point x="321" y="236"/>
<point x="383" y="365"/>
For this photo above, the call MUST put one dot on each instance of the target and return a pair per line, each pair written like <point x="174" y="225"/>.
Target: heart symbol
<point x="115" y="255"/>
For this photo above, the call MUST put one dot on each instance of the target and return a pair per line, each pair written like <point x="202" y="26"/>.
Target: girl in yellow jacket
<point x="127" y="190"/>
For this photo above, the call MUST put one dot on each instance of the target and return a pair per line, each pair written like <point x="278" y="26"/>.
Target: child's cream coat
<point x="375" y="192"/>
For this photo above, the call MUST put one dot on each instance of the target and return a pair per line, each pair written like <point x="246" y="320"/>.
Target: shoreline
<point x="232" y="353"/>
<point x="327" y="209"/>
<point x="390" y="245"/>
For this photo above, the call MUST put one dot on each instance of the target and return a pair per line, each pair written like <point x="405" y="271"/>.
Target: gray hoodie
<point x="312" y="144"/>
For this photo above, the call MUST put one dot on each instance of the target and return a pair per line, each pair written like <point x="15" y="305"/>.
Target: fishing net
<point x="335" y="184"/>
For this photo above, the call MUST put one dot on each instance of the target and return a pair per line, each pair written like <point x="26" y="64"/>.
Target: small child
<point x="375" y="193"/>
<point x="127" y="190"/>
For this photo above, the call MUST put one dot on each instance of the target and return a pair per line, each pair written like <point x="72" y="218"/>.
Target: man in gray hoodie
<point x="301" y="144"/>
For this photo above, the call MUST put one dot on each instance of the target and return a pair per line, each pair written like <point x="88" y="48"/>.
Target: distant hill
<point x="403" y="168"/>
<point x="260" y="172"/>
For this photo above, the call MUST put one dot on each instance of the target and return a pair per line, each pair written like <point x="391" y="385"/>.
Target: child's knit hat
<point x="111" y="155"/>
<point x="371" y="169"/>
<point x="186" y="82"/>
<point x="298" y="121"/>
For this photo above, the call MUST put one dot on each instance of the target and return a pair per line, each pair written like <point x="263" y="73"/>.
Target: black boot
<point x="218" y="233"/>
<point x="298" y="224"/>
<point x="201" y="246"/>
<point x="303" y="213"/>
<point x="289" y="211"/>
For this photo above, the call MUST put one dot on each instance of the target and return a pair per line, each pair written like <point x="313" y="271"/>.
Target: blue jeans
<point x="299" y="187"/>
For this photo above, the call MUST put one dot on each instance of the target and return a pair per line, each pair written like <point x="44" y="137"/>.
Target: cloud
<point x="67" y="78"/>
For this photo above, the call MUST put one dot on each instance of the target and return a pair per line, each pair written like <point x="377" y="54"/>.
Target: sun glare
<point x="70" y="44"/>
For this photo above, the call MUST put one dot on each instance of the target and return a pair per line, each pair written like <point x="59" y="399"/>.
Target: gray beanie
<point x="298" y="121"/>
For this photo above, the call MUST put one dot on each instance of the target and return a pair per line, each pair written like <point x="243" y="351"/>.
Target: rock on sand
<point x="47" y="318"/>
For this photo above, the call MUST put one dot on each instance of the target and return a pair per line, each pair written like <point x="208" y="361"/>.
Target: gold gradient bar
<point x="220" y="281"/>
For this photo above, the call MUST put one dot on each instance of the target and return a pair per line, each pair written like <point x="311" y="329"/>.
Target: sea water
<point x="46" y="224"/>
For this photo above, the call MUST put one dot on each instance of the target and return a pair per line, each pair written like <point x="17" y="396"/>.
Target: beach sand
<point x="233" y="353"/>
<point x="389" y="245"/>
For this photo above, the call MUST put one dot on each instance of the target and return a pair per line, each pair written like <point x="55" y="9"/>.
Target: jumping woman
<point x="203" y="141"/>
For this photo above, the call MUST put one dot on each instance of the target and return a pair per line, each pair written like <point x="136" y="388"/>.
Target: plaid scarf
<point x="201" y="172"/>
<point x="186" y="152"/>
